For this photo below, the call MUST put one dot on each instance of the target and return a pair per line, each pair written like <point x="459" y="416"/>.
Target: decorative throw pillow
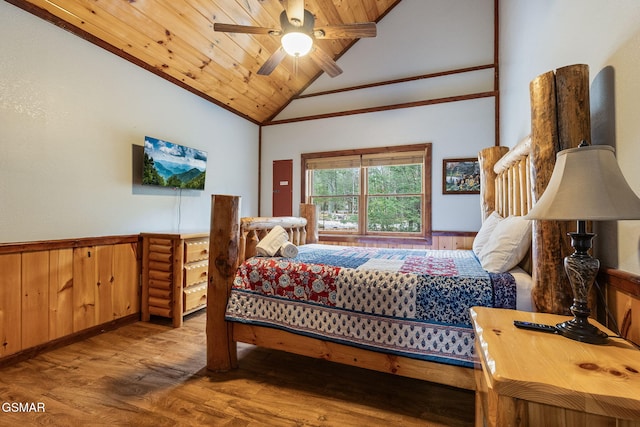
<point x="288" y="250"/>
<point x="485" y="231"/>
<point x="272" y="242"/>
<point x="507" y="245"/>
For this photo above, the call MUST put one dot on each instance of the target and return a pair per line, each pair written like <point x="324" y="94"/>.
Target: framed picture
<point x="461" y="176"/>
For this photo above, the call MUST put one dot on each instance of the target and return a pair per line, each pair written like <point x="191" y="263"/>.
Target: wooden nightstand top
<point x="182" y="234"/>
<point x="554" y="370"/>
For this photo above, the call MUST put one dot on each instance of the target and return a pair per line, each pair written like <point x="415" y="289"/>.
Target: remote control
<point x="535" y="326"/>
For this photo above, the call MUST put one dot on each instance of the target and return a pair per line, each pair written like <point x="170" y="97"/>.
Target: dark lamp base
<point x="582" y="332"/>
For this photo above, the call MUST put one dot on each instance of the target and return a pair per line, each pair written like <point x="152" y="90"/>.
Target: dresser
<point x="174" y="274"/>
<point x="531" y="378"/>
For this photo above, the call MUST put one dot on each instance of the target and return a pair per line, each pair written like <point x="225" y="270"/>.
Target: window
<point x="381" y="192"/>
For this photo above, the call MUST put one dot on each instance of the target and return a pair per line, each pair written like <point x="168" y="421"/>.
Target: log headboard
<point x="254" y="229"/>
<point x="505" y="177"/>
<point x="560" y="119"/>
<point x="302" y="229"/>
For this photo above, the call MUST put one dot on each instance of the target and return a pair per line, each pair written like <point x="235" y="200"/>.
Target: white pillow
<point x="485" y="231"/>
<point x="524" y="284"/>
<point x="508" y="244"/>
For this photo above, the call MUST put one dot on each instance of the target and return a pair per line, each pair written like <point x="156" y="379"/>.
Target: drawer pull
<point x="194" y="266"/>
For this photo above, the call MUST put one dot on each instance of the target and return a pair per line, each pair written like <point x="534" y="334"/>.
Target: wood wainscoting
<point x="51" y="291"/>
<point x="622" y="290"/>
<point x="440" y="240"/>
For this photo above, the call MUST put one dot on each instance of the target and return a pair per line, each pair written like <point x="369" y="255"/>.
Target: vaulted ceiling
<point x="175" y="39"/>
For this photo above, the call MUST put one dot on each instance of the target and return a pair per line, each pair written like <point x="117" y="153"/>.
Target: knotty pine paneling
<point x="10" y="305"/>
<point x="104" y="284"/>
<point x="623" y="301"/>
<point x="625" y="309"/>
<point x="53" y="289"/>
<point x="125" y="273"/>
<point x="60" y="293"/>
<point x="84" y="293"/>
<point x="35" y="298"/>
<point x="439" y="242"/>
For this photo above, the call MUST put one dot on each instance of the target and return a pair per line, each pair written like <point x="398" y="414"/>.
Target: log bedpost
<point x="487" y="158"/>
<point x="559" y="120"/>
<point x="574" y="110"/>
<point x="223" y="262"/>
<point x="310" y="213"/>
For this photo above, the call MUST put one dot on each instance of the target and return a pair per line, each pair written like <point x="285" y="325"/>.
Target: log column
<point x="559" y="120"/>
<point x="223" y="263"/>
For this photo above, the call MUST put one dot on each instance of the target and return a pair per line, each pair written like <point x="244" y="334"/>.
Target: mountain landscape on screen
<point x="172" y="165"/>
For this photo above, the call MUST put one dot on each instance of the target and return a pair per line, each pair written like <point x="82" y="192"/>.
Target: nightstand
<point x="531" y="378"/>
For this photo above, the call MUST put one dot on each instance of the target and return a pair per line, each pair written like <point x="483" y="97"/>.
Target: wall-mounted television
<point x="172" y="165"/>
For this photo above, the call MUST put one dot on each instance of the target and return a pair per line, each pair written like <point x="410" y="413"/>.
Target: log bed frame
<point x="511" y="182"/>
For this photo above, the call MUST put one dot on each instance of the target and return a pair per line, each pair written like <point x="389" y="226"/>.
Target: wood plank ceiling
<point x="175" y="39"/>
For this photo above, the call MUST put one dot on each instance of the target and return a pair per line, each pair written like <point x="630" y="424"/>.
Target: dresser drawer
<point x="196" y="250"/>
<point x="195" y="273"/>
<point x="194" y="297"/>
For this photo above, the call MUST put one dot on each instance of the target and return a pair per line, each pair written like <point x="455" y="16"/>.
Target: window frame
<point x="425" y="237"/>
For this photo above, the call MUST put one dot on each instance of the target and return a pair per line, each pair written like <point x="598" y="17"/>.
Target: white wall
<point x="542" y="35"/>
<point x="72" y="116"/>
<point x="456" y="130"/>
<point x="417" y="37"/>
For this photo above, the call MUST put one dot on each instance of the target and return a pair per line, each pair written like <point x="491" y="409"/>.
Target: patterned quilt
<point x="413" y="303"/>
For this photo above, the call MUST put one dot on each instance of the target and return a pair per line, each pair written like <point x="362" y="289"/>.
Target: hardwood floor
<point x="150" y="374"/>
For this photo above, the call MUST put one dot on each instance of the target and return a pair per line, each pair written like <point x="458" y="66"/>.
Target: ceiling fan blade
<point x="325" y="62"/>
<point x="273" y="61"/>
<point x="346" y="31"/>
<point x="245" y="29"/>
<point x="295" y="12"/>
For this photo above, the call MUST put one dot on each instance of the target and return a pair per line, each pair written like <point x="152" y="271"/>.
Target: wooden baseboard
<point x="68" y="339"/>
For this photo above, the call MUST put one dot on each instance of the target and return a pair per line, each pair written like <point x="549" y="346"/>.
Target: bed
<point x="341" y="320"/>
<point x="425" y="334"/>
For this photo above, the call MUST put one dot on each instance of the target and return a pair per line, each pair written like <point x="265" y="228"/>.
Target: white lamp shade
<point x="296" y="43"/>
<point x="587" y="184"/>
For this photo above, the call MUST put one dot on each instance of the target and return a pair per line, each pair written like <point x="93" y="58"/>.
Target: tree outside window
<point x="375" y="193"/>
<point x="394" y="198"/>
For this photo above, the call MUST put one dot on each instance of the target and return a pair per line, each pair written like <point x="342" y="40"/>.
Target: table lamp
<point x="586" y="185"/>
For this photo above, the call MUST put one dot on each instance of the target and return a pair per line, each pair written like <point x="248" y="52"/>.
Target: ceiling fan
<point x="297" y="31"/>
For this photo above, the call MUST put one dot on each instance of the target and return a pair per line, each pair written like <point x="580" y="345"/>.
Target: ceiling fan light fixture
<point x="296" y="43"/>
<point x="298" y="34"/>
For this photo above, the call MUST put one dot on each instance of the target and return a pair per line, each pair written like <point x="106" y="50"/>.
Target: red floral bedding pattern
<point x="287" y="279"/>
